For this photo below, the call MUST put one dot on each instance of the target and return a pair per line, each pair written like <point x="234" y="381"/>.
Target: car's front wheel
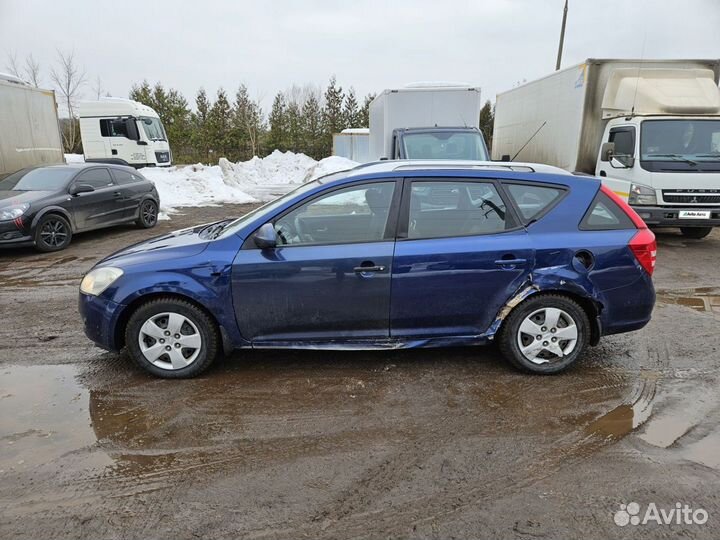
<point x="696" y="233"/>
<point x="172" y="338"/>
<point x="545" y="334"/>
<point x="52" y="233"/>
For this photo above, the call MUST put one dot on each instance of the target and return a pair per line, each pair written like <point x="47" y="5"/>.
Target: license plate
<point x="694" y="214"/>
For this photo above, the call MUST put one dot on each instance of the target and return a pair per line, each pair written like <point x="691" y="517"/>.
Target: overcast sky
<point x="370" y="45"/>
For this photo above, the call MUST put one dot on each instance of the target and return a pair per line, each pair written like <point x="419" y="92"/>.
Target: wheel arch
<point x="59" y="210"/>
<point x="124" y="317"/>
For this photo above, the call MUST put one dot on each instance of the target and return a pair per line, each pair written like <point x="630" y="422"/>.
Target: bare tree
<point x="98" y="88"/>
<point x="68" y="77"/>
<point x="32" y="70"/>
<point x="12" y="65"/>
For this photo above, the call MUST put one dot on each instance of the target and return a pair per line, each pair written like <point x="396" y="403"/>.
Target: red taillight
<point x="644" y="247"/>
<point x="643" y="244"/>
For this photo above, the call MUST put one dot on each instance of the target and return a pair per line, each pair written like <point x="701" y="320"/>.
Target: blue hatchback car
<point x="387" y="255"/>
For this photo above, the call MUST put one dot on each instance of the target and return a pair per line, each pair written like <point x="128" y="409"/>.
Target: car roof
<point x="80" y="166"/>
<point x="451" y="165"/>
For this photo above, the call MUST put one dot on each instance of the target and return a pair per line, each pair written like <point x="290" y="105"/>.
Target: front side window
<point x="448" y="208"/>
<point x="445" y="145"/>
<point x="113" y="127"/>
<point x="624" y="139"/>
<point x="153" y="128"/>
<point x="350" y="215"/>
<point x="96" y="178"/>
<point x="533" y="200"/>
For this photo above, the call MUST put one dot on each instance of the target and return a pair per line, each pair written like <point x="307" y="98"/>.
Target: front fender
<point x="55" y="210"/>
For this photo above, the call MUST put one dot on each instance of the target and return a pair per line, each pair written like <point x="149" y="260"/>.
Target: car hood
<point x="9" y="198"/>
<point x="175" y="245"/>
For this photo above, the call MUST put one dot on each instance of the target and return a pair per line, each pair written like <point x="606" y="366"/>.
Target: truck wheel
<point x="695" y="233"/>
<point x="545" y="334"/>
<point x="52" y="233"/>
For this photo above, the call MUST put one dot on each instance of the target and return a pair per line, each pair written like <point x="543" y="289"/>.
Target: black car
<point x="45" y="206"/>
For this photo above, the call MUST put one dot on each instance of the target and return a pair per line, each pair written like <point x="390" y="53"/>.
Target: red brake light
<point x="643" y="244"/>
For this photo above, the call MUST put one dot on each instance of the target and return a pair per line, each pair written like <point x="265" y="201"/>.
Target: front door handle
<point x="510" y="262"/>
<point x="361" y="269"/>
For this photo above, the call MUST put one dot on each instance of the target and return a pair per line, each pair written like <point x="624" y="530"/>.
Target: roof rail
<point x="409" y="167"/>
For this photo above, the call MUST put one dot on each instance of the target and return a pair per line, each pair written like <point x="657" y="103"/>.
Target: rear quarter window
<point x="605" y="215"/>
<point x="532" y="201"/>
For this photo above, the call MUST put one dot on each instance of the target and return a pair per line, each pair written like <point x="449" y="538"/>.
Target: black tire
<point x="52" y="233"/>
<point x="148" y="214"/>
<point x="197" y="318"/>
<point x="696" y="233"/>
<point x="510" y="334"/>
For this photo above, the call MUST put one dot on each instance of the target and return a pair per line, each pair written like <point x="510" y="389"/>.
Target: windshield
<point x="48" y="179"/>
<point x="672" y="140"/>
<point x="153" y="128"/>
<point x="445" y="145"/>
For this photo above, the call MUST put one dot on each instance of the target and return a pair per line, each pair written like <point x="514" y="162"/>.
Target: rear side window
<point x="605" y="215"/>
<point x="125" y="177"/>
<point x="444" y="209"/>
<point x="533" y="200"/>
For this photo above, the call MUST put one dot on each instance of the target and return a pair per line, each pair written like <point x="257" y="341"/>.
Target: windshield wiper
<point x="678" y="157"/>
<point x="713" y="154"/>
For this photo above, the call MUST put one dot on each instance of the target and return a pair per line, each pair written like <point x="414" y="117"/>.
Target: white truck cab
<point x="650" y="129"/>
<point x="118" y="130"/>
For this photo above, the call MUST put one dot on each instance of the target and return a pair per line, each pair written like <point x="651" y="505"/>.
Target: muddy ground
<point x="422" y="444"/>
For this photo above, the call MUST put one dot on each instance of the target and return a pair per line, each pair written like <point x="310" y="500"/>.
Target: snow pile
<point x="258" y="179"/>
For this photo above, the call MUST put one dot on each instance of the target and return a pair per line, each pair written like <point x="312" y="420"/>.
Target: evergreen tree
<point x="199" y="137"/>
<point x="218" y="124"/>
<point x="247" y="123"/>
<point x="487" y="122"/>
<point x="351" y="114"/>
<point x="365" y="111"/>
<point x="311" y="117"/>
<point x="294" y="135"/>
<point x="332" y="115"/>
<point x="278" y="124"/>
<point x="142" y="93"/>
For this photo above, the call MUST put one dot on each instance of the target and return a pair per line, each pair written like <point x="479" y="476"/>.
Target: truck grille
<point x="162" y="157"/>
<point x="691" y="196"/>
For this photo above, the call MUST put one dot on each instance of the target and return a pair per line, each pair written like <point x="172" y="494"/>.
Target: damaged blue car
<point x="387" y="255"/>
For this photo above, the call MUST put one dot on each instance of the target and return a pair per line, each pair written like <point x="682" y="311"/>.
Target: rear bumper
<point x="100" y="318"/>
<point x="668" y="216"/>
<point x="628" y="308"/>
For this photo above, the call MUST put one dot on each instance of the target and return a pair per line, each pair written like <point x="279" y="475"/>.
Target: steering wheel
<point x="286" y="231"/>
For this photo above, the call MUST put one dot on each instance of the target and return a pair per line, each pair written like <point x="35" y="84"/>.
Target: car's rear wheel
<point x="696" y="233"/>
<point x="172" y="338"/>
<point x="545" y="334"/>
<point x="52" y="233"/>
<point x="148" y="214"/>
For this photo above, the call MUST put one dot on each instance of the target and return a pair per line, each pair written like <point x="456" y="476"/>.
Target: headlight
<point x="14" y="212"/>
<point x="99" y="279"/>
<point x="641" y="195"/>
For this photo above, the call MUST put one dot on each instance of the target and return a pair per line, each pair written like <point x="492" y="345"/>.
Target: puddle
<point x="705" y="451"/>
<point x="705" y="299"/>
<point x="44" y="418"/>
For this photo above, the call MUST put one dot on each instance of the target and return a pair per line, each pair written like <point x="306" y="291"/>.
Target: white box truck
<point x="29" y="128"/>
<point x="649" y="128"/>
<point x="427" y="122"/>
<point x="118" y="130"/>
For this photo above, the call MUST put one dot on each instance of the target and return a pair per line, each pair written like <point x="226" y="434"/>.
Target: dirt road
<point x="420" y="444"/>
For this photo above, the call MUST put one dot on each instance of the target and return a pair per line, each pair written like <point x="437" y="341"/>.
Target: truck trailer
<point x="427" y="122"/>
<point x="650" y="129"/>
<point x="29" y="127"/>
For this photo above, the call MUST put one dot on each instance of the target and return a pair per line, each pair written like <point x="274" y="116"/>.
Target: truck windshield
<point x="445" y="145"/>
<point x="43" y="179"/>
<point x="153" y="128"/>
<point x="680" y="140"/>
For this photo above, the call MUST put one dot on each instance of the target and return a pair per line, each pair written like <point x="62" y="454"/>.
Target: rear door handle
<point x="510" y="262"/>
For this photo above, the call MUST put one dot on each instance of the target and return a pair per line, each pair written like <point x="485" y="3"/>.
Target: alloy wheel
<point x="547" y="335"/>
<point x="53" y="233"/>
<point x="149" y="213"/>
<point x="170" y="341"/>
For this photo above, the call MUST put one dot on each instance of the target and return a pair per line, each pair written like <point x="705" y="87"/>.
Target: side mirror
<point x="265" y="237"/>
<point x="77" y="189"/>
<point x="131" y="129"/>
<point x="606" y="151"/>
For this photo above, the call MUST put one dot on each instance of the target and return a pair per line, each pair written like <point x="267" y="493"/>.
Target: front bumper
<point x="11" y="235"/>
<point x="668" y="216"/>
<point x="100" y="320"/>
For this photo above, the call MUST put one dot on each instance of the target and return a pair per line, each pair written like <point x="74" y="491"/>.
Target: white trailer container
<point x="352" y="143"/>
<point x="397" y="114"/>
<point x="29" y="128"/>
<point x="117" y="130"/>
<point x="649" y="128"/>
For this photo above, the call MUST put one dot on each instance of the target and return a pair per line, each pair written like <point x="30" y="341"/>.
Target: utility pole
<point x="562" y="37"/>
